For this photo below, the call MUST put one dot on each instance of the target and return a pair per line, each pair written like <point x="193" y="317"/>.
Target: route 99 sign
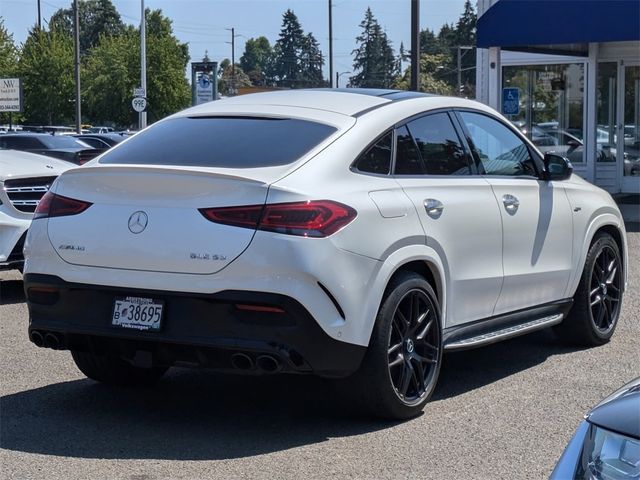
<point x="139" y="104"/>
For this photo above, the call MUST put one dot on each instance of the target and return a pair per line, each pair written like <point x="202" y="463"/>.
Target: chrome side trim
<point x="505" y="333"/>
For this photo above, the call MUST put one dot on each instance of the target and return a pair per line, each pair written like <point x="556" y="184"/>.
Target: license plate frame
<point x="147" y="318"/>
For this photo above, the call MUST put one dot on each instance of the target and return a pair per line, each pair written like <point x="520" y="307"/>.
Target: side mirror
<point x="556" y="167"/>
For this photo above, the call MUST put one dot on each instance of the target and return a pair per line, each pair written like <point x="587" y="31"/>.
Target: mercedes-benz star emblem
<point x="138" y="222"/>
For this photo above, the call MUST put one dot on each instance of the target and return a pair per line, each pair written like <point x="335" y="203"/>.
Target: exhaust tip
<point x="241" y="361"/>
<point x="268" y="364"/>
<point x="37" y="339"/>
<point x="51" y="340"/>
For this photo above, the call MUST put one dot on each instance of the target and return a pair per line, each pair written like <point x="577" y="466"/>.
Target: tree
<point x="374" y="59"/>
<point x="8" y="60"/>
<point x="286" y="68"/>
<point x="230" y="79"/>
<point x="429" y="81"/>
<point x="46" y="68"/>
<point x="112" y="70"/>
<point x="97" y="17"/>
<point x="465" y="31"/>
<point x="8" y="52"/>
<point x="465" y="35"/>
<point x="255" y="59"/>
<point x="311" y="62"/>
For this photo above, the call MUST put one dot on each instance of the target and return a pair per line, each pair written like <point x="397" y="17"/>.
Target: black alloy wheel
<point x="597" y="301"/>
<point x="401" y="367"/>
<point x="413" y="346"/>
<point x="606" y="289"/>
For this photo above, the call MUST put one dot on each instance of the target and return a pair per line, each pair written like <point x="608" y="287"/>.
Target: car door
<point x="458" y="212"/>
<point x="536" y="215"/>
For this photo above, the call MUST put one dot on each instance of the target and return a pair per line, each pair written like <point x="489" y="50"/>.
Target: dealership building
<point x="567" y="73"/>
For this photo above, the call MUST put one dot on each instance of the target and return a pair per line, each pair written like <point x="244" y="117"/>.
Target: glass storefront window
<point x="606" y="85"/>
<point x="632" y="121"/>
<point x="551" y="106"/>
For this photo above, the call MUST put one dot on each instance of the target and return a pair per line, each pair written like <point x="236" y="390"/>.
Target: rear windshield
<point x="62" y="141"/>
<point x="227" y="142"/>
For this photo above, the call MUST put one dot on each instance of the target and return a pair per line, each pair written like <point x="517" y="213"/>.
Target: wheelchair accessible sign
<point x="510" y="101"/>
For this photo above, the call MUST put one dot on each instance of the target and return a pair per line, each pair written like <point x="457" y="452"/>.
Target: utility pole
<point x="460" y="48"/>
<point x="142" y="116"/>
<point x="415" y="45"/>
<point x="233" y="58"/>
<point x="76" y="35"/>
<point x="331" y="45"/>
<point x="39" y="17"/>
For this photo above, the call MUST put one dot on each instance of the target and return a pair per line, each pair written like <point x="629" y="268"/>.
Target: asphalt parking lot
<point x="505" y="411"/>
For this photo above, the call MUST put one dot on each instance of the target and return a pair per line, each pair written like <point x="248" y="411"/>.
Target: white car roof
<point x="351" y="102"/>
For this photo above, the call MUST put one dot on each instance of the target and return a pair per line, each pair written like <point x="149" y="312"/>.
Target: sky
<point x="203" y="24"/>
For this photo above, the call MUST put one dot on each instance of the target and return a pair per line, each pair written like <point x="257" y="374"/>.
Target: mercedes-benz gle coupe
<point x="352" y="233"/>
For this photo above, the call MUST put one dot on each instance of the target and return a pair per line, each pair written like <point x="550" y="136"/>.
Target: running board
<point x="505" y="333"/>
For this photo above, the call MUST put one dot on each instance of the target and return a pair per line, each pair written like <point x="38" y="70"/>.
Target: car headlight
<point x="607" y="454"/>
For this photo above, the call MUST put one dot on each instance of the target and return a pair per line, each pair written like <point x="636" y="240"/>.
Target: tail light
<point x="52" y="205"/>
<point x="318" y="218"/>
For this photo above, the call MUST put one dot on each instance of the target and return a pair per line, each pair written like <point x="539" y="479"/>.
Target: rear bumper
<point x="200" y="330"/>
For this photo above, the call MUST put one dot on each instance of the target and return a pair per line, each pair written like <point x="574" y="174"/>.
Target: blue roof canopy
<point x="539" y="24"/>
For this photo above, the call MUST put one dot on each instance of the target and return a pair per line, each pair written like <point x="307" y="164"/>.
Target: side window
<point x="408" y="160"/>
<point x="377" y="159"/>
<point x="439" y="145"/>
<point x="500" y="150"/>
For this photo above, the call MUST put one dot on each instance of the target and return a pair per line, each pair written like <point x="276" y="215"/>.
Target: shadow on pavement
<point x="190" y="415"/>
<point x="198" y="415"/>
<point x="11" y="291"/>
<point x="471" y="369"/>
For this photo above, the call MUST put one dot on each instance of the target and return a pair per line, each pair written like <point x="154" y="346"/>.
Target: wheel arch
<point x="425" y="269"/>
<point x="619" y="238"/>
<point x="607" y="223"/>
<point x="420" y="259"/>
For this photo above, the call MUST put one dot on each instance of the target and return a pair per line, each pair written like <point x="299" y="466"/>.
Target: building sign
<point x="510" y="101"/>
<point x="10" y="95"/>
<point x="204" y="88"/>
<point x="204" y="84"/>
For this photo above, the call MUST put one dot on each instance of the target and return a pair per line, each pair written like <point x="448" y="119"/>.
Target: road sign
<point x="139" y="92"/>
<point x="139" y="104"/>
<point x="510" y="101"/>
<point x="10" y="95"/>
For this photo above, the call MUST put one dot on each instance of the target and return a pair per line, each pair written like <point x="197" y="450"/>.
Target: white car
<point x="24" y="179"/>
<point x="355" y="233"/>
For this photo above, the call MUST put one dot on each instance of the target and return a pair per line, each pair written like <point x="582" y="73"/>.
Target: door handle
<point x="511" y="203"/>
<point x="433" y="207"/>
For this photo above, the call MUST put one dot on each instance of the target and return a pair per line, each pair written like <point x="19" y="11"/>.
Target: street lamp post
<point x="338" y="75"/>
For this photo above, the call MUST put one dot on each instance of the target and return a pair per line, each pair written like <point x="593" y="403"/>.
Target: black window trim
<point x="461" y="138"/>
<point x="535" y="155"/>
<point x="353" y="167"/>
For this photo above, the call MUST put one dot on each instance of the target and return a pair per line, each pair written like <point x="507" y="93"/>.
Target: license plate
<point x="137" y="313"/>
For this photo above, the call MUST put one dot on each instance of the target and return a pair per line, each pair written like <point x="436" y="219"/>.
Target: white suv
<point x="24" y="179"/>
<point x="341" y="233"/>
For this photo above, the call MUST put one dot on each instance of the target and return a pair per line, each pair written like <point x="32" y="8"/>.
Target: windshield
<point x="227" y="142"/>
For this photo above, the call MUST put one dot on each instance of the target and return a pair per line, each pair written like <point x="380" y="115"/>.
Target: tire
<point x="596" y="304"/>
<point x="401" y="367"/>
<point x="115" y="371"/>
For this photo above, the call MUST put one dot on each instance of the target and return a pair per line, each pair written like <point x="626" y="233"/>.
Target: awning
<point x="560" y="25"/>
